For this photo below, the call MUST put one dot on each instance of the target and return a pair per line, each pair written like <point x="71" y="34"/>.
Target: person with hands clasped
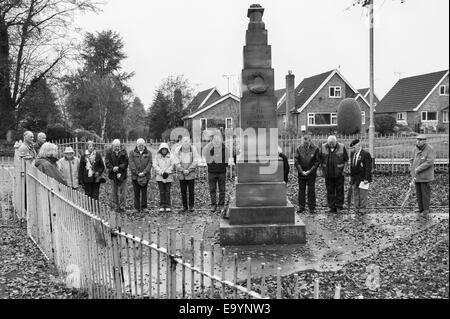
<point x="140" y="167"/>
<point x="306" y="161"/>
<point x="117" y="164"/>
<point x="360" y="172"/>
<point x="186" y="161"/>
<point x="164" y="168"/>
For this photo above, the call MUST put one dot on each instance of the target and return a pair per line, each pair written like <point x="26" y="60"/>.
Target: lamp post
<point x="371" y="125"/>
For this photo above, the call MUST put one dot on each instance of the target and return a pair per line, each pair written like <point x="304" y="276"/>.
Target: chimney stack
<point x="290" y="97"/>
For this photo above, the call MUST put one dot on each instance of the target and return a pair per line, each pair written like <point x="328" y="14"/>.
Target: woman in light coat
<point x="164" y="168"/>
<point x="186" y="161"/>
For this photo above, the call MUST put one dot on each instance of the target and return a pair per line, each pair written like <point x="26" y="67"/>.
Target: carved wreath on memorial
<point x="256" y="83"/>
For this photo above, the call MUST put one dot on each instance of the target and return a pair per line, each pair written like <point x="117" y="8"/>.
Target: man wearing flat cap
<point x="422" y="172"/>
<point x="69" y="166"/>
<point x="360" y="173"/>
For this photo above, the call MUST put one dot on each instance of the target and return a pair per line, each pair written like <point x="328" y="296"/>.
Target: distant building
<point x="420" y="102"/>
<point x="210" y="109"/>
<point x="315" y="102"/>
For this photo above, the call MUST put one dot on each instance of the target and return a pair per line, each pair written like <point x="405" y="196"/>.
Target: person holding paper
<point x="361" y="174"/>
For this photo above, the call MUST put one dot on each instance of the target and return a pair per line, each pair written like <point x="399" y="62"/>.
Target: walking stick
<point x="349" y="197"/>
<point x="408" y="192"/>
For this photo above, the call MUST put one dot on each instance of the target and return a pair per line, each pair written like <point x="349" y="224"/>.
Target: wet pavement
<point x="331" y="241"/>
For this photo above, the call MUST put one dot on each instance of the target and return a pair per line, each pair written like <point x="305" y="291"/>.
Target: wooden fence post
<point x="116" y="265"/>
<point x="172" y="275"/>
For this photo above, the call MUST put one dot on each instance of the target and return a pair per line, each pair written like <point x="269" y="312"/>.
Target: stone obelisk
<point x="259" y="212"/>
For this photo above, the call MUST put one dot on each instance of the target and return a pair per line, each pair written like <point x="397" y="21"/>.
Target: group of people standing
<point x="182" y="160"/>
<point x="332" y="157"/>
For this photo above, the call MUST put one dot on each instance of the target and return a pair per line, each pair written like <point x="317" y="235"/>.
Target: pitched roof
<point x="210" y="105"/>
<point x="408" y="94"/>
<point x="305" y="90"/>
<point x="279" y="93"/>
<point x="363" y="91"/>
<point x="200" y="99"/>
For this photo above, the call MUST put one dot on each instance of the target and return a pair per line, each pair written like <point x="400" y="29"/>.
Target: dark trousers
<point x="309" y="182"/>
<point x="213" y="180"/>
<point x="335" y="192"/>
<point x="164" y="194"/>
<point x="184" y="186"/>
<point x="140" y="195"/>
<point x="423" y="193"/>
<point x="92" y="190"/>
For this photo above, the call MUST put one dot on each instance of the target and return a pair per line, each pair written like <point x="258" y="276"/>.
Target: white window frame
<point x="312" y="116"/>
<point x="335" y="96"/>
<point x="363" y="117"/>
<point x="427" y="120"/>
<point x="445" y="89"/>
<point x="206" y="122"/>
<point x="403" y="119"/>
<point x="284" y="120"/>
<point x="443" y="117"/>
<point x="226" y="122"/>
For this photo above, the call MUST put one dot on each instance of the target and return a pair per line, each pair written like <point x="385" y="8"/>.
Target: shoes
<point x="426" y="211"/>
<point x="300" y="210"/>
<point x="221" y="208"/>
<point x="213" y="208"/>
<point x="312" y="211"/>
<point x="339" y="209"/>
<point x="168" y="210"/>
<point x="192" y="209"/>
<point x="184" y="211"/>
<point x="332" y="211"/>
<point x="161" y="210"/>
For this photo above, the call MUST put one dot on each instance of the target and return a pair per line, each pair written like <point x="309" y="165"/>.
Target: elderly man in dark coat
<point x="117" y="164"/>
<point x="306" y="161"/>
<point x="361" y="174"/>
<point x="422" y="171"/>
<point x="140" y="166"/>
<point x="334" y="157"/>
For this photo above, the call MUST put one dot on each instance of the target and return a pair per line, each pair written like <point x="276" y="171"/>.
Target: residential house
<point x="209" y="109"/>
<point x="314" y="103"/>
<point x="420" y="102"/>
<point x="366" y="95"/>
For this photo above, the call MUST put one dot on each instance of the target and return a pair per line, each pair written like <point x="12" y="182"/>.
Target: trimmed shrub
<point x="441" y="128"/>
<point x="384" y="124"/>
<point x="349" y="117"/>
<point x="84" y="136"/>
<point x="327" y="130"/>
<point x="57" y="132"/>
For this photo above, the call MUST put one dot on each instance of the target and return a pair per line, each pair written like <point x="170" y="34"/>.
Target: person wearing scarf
<point x="90" y="171"/>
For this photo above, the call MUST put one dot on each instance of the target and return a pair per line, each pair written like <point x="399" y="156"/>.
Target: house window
<point x="203" y="124"/>
<point x="401" y="117"/>
<point x="363" y="117"/>
<point x="228" y="122"/>
<point x="335" y="92"/>
<point x="443" y="90"/>
<point x="444" y="116"/>
<point x="429" y="116"/>
<point x="317" y="119"/>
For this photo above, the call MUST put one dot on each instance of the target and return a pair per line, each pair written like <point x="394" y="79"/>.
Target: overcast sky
<point x="203" y="39"/>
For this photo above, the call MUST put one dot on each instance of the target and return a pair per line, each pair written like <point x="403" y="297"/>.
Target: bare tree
<point x="34" y="41"/>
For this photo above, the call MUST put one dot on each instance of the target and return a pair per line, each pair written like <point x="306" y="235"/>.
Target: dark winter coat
<point x="333" y="163"/>
<point x="98" y="167"/>
<point x="220" y="166"/>
<point x="121" y="161"/>
<point x="48" y="166"/>
<point x="307" y="159"/>
<point x="362" y="171"/>
<point x="140" y="163"/>
<point x="286" y="167"/>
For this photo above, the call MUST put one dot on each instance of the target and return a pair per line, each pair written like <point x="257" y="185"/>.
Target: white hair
<point x="331" y="138"/>
<point x="48" y="150"/>
<point x="41" y="134"/>
<point x="116" y="142"/>
<point x="140" y="141"/>
<point x="27" y="133"/>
